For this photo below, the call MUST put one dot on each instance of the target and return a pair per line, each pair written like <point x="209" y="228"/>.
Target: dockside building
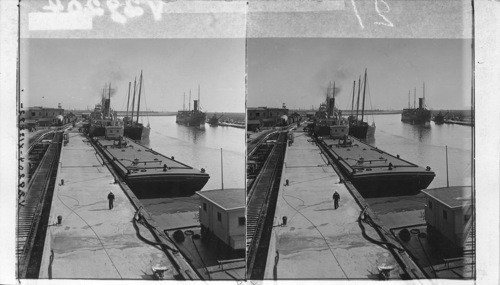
<point x="222" y="214"/>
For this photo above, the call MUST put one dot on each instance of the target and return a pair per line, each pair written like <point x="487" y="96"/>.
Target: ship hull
<point x="96" y="131"/>
<point x="191" y="120"/>
<point x="148" y="187"/>
<point x="358" y="131"/>
<point x="416" y="116"/>
<point x="137" y="132"/>
<point x="390" y="184"/>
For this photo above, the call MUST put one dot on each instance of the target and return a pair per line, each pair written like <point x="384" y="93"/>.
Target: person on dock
<point x="111" y="198"/>
<point x="336" y="198"/>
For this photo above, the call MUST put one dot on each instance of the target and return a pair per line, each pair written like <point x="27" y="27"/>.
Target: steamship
<point x="328" y="120"/>
<point x="191" y="118"/>
<point x="416" y="116"/>
<point x="102" y="116"/>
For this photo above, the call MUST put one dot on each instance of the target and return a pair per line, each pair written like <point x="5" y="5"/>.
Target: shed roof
<point x="452" y="197"/>
<point x="227" y="199"/>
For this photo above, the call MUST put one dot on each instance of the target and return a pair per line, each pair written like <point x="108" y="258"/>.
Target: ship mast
<point x="409" y="99"/>
<point x="357" y="102"/>
<point x="139" y="100"/>
<point x="189" y="100"/>
<point x="108" y="111"/>
<point x="184" y="102"/>
<point x="414" y="98"/>
<point x="128" y="99"/>
<point x="199" y="104"/>
<point x="353" y="88"/>
<point x="133" y="100"/>
<point x="423" y="103"/>
<point x="364" y="91"/>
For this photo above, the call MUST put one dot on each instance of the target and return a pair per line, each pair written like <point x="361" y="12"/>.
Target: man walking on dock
<point x="336" y="198"/>
<point x="111" y="198"/>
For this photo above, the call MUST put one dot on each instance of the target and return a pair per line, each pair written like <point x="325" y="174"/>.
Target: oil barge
<point x="374" y="172"/>
<point x="148" y="173"/>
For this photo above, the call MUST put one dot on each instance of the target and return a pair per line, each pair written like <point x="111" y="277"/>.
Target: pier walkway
<point x="318" y="241"/>
<point x="93" y="242"/>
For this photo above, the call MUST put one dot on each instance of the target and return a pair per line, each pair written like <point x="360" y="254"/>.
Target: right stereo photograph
<point x="359" y="159"/>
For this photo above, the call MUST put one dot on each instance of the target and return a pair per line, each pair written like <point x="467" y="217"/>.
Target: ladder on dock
<point x="30" y="220"/>
<point x="260" y="208"/>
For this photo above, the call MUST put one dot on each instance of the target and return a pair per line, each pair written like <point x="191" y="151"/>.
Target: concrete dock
<point x="92" y="241"/>
<point x="318" y="241"/>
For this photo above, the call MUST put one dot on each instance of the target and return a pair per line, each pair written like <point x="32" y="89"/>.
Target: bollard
<point x="62" y="181"/>
<point x="59" y="220"/>
<point x="286" y="182"/>
<point x="284" y="220"/>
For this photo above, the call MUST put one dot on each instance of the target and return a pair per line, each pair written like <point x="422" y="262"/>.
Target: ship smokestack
<point x="331" y="106"/>
<point x="195" y="106"/>
<point x="106" y="107"/>
<point x="420" y="103"/>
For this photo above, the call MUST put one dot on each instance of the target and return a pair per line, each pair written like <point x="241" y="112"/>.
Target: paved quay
<point x="317" y="240"/>
<point x="92" y="241"/>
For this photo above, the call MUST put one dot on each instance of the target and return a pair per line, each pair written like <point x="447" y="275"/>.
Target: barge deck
<point x="375" y="172"/>
<point x="149" y="173"/>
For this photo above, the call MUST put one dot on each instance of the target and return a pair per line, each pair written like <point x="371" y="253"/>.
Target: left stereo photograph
<point x="134" y="161"/>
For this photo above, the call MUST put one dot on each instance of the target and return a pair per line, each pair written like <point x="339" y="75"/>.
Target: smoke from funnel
<point x="331" y="71"/>
<point x="106" y="72"/>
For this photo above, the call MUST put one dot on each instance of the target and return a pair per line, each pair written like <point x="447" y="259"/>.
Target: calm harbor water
<point x="425" y="146"/>
<point x="199" y="148"/>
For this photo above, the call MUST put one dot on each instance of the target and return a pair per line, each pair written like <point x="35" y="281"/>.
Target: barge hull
<point x="391" y="185"/>
<point x="175" y="180"/>
<point x="173" y="186"/>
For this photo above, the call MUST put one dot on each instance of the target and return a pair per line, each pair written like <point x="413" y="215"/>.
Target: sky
<point x="74" y="71"/>
<point x="297" y="71"/>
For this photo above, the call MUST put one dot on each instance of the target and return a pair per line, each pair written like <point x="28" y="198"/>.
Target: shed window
<point x="219" y="217"/>
<point x="445" y="215"/>
<point x="205" y="207"/>
<point x="241" y="221"/>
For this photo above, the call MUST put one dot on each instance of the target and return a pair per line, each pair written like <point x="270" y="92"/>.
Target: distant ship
<point x="133" y="129"/>
<point x="191" y="118"/>
<point x="328" y="120"/>
<point x="359" y="128"/>
<point x="416" y="116"/>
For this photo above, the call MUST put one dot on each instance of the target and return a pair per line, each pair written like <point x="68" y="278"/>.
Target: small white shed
<point x="449" y="212"/>
<point x="222" y="212"/>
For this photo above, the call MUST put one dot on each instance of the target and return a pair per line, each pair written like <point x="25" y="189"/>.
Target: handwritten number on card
<point x="93" y="7"/>
<point x="381" y="12"/>
<point x="387" y="10"/>
<point x="54" y="7"/>
<point x="113" y="6"/>
<point x="75" y="6"/>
